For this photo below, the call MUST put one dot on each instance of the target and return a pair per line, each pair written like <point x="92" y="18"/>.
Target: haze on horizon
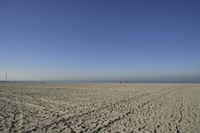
<point x="100" y="40"/>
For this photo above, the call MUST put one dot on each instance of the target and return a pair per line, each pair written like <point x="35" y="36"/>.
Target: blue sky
<point x="100" y="40"/>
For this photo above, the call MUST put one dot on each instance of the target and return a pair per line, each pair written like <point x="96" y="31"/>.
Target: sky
<point x="137" y="40"/>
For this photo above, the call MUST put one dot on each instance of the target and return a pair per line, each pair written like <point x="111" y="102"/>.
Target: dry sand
<point x="81" y="107"/>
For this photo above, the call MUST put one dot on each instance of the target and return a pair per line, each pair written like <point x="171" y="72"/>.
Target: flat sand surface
<point x="99" y="107"/>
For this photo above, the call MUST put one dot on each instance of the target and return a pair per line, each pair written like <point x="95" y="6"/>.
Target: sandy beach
<point x="99" y="107"/>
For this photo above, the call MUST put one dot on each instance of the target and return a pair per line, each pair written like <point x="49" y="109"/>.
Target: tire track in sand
<point x="71" y="121"/>
<point x="17" y="119"/>
<point x="119" y="118"/>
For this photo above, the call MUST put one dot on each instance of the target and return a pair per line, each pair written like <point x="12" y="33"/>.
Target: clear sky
<point x="100" y="40"/>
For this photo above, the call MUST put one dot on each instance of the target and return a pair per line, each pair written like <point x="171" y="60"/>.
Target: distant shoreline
<point x="81" y="81"/>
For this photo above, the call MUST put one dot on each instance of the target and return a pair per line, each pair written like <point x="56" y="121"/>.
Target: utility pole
<point x="6" y="77"/>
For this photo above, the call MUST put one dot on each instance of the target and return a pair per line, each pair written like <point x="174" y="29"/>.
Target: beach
<point x="99" y="107"/>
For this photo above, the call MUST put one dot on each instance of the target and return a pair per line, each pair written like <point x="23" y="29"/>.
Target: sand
<point x="99" y="107"/>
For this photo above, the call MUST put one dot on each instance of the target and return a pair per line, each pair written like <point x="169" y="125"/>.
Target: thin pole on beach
<point x="6" y="77"/>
